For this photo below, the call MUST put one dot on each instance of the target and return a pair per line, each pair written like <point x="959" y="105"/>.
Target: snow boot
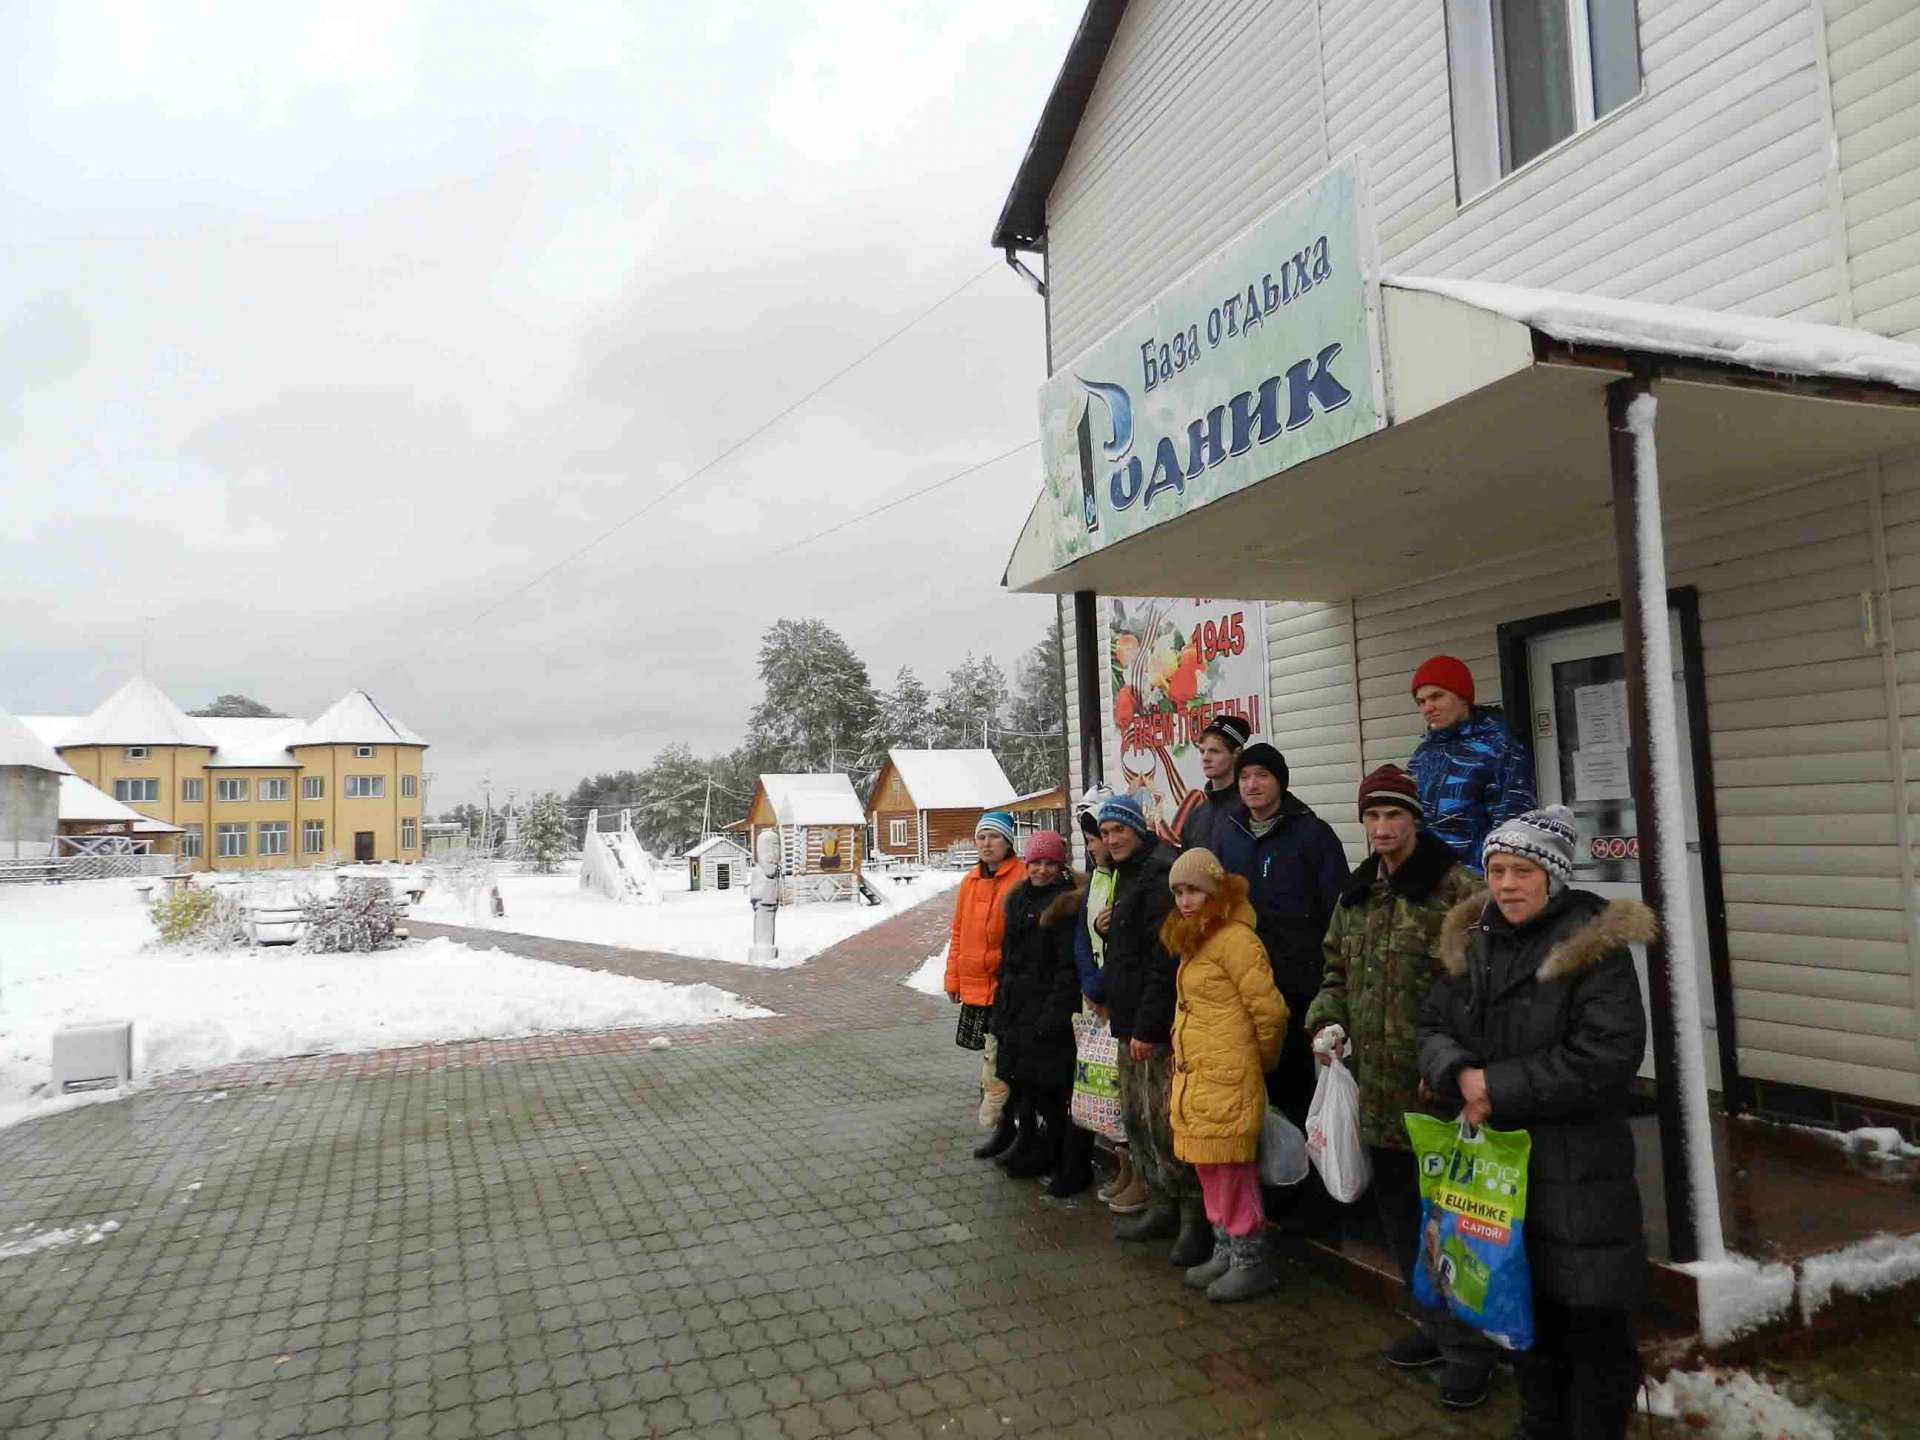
<point x="1074" y="1172"/>
<point x="1035" y="1152"/>
<point x="1133" y="1199"/>
<point x="1250" y="1273"/>
<point x="1195" y="1240"/>
<point x="1212" y="1268"/>
<point x="1025" y="1123"/>
<point x="1159" y="1221"/>
<point x="1122" y="1176"/>
<point x="999" y="1140"/>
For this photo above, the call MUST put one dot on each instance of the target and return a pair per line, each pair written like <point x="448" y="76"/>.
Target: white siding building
<point x="1750" y="158"/>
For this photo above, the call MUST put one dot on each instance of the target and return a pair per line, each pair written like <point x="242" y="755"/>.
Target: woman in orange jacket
<point x="973" y="961"/>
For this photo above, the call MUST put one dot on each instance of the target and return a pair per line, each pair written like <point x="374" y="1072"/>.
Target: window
<point x="1527" y="74"/>
<point x="273" y="837"/>
<point x="230" y="839"/>
<point x="138" y="752"/>
<point x="137" y="792"/>
<point x="363" y="752"/>
<point x="273" y="789"/>
<point x="313" y="787"/>
<point x="190" y="843"/>
<point x="193" y="792"/>
<point x="313" y="837"/>
<point x="409" y="787"/>
<point x="230" y="790"/>
<point x="366" y="787"/>
<point x="897" y="833"/>
<point x="409" y="834"/>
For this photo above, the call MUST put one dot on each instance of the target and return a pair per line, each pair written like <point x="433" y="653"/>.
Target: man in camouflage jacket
<point x="1381" y="957"/>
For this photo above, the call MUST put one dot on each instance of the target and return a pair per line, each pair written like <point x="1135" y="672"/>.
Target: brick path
<point x="775" y="1232"/>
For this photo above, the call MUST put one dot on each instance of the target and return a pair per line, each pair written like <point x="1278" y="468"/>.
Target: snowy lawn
<point x="931" y="977"/>
<point x="74" y="953"/>
<point x="706" y="924"/>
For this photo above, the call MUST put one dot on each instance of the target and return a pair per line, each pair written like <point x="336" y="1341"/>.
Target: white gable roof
<point x="138" y="713"/>
<point x="813" y="800"/>
<point x="21" y="747"/>
<point x="952" y="779"/>
<point x="355" y="720"/>
<point x="714" y="843"/>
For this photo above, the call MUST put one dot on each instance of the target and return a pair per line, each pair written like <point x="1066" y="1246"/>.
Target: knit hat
<point x="1198" y="869"/>
<point x="1260" y="751"/>
<point x="1546" y="836"/>
<point x="996" y="822"/>
<point x="1448" y="673"/>
<point x="1123" y="810"/>
<point x="1046" y="845"/>
<point x="1230" y="728"/>
<point x="1390" y="785"/>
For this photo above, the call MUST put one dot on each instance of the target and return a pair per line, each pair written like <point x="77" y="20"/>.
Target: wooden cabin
<point x="926" y="802"/>
<point x="819" y="822"/>
<point x="1042" y="810"/>
<point x="718" y="862"/>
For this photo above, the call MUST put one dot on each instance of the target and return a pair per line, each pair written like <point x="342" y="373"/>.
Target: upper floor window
<point x="193" y="792"/>
<point x="230" y="789"/>
<point x="138" y="752"/>
<point x="313" y="787"/>
<point x="366" y="787"/>
<point x="137" y="792"/>
<point x="409" y="787"/>
<point x="1529" y="73"/>
<point x="273" y="789"/>
<point x="363" y="752"/>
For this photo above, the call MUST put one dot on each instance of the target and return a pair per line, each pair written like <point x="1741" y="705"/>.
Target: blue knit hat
<point x="999" y="822"/>
<point x="1124" y="810"/>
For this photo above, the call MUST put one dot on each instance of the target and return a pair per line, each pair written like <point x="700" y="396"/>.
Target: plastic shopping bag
<point x="1473" y="1214"/>
<point x="1096" y="1078"/>
<point x="1333" y="1134"/>
<point x="1282" y="1160"/>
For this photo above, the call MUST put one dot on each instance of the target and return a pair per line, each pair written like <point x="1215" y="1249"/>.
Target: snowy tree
<point x="673" y="792"/>
<point x="238" y="707"/>
<point x="902" y="721"/>
<point x="1031" y="749"/>
<point x="818" y="703"/>
<point x="974" y="699"/>
<point x="545" y="836"/>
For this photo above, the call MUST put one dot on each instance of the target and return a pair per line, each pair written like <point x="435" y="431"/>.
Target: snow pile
<point x="700" y="924"/>
<point x="1738" y="1296"/>
<point x="48" y="1239"/>
<point x="77" y="953"/>
<point x="1734" y="1404"/>
<point x="931" y="977"/>
<point x="1884" y="1262"/>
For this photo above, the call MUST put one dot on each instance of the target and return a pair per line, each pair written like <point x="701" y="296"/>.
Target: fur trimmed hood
<point x="1183" y="936"/>
<point x="1616" y="925"/>
<point x="1064" y="908"/>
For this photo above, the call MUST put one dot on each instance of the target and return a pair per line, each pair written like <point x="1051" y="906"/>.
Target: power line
<point x="902" y="500"/>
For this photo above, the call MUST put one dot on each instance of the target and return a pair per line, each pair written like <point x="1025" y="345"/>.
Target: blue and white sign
<point x="1261" y="356"/>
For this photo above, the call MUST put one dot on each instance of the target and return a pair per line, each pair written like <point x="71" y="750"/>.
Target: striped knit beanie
<point x="1390" y="785"/>
<point x="1125" y="810"/>
<point x="996" y="822"/>
<point x="1546" y="836"/>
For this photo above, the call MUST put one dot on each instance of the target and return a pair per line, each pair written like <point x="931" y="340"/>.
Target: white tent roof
<point x="84" y="804"/>
<point x="138" y="713"/>
<point x="952" y="779"/>
<point x="21" y="747"/>
<point x="355" y="720"/>
<point x="716" y="842"/>
<point x="813" y="799"/>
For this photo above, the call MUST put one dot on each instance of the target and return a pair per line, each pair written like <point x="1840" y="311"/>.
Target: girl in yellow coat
<point x="1227" y="1031"/>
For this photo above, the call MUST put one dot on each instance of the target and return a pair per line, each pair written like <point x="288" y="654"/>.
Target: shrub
<point x="196" y="919"/>
<point x="358" y="920"/>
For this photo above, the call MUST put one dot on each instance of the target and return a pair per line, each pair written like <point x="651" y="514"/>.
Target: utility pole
<point x="486" y="815"/>
<point x="706" y="814"/>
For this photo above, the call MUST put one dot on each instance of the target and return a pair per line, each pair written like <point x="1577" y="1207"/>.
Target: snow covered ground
<point x="1732" y="1405"/>
<point x="705" y="924"/>
<point x="75" y="953"/>
<point x="931" y="977"/>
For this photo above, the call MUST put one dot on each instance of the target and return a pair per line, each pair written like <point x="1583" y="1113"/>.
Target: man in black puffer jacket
<point x="1139" y="986"/>
<point x="1537" y="1025"/>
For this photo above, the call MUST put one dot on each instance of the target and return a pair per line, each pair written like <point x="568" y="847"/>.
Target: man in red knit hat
<point x="1473" y="773"/>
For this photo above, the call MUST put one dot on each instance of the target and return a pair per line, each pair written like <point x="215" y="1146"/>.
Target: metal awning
<point x="1496" y="444"/>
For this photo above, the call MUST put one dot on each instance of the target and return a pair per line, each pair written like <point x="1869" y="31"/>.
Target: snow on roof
<point x="1788" y="347"/>
<point x="22" y="748"/>
<point x="713" y="843"/>
<point x="257" y="742"/>
<point x="138" y="713"/>
<point x="952" y="779"/>
<point x="81" y="802"/>
<point x="813" y="799"/>
<point x="355" y="720"/>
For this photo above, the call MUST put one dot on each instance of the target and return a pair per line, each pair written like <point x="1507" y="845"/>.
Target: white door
<point x="1579" y="702"/>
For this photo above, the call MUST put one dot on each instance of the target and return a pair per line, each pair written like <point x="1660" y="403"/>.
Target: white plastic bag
<point x="1283" y="1151"/>
<point x="1333" y="1134"/>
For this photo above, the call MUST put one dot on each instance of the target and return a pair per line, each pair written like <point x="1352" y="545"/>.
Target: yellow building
<point x="253" y="794"/>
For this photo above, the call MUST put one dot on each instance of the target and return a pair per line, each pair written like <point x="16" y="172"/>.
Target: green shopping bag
<point x="1473" y="1220"/>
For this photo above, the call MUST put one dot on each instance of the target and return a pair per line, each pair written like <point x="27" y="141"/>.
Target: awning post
<point x="1686" y="1138"/>
<point x="1086" y="672"/>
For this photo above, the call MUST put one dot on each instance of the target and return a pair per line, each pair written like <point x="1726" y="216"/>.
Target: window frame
<point x="899" y="833"/>
<point x="378" y="782"/>
<point x="278" y="830"/>
<point x="227" y="830"/>
<point x="192" y="841"/>
<point x="149" y="793"/>
<point x="313" y="787"/>
<point x="409" y="787"/>
<point x="137" y="752"/>
<point x="363" y="752"/>
<point x="193" y="790"/>
<point x="242" y="782"/>
<point x="409" y="833"/>
<point x="285" y="790"/>
<point x="313" y="837"/>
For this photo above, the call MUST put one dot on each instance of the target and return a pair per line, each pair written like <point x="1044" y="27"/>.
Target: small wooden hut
<point x="819" y="820"/>
<point x="718" y="862"/>
<point x="925" y="802"/>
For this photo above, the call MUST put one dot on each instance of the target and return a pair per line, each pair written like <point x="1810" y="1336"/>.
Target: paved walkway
<point x="774" y="1232"/>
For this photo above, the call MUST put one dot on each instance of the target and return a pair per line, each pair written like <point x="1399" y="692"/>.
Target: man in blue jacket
<point x="1473" y="773"/>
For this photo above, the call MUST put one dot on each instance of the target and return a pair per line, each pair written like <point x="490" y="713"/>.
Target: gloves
<point x="1330" y="1040"/>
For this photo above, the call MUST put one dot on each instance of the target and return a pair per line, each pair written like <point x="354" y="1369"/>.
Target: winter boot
<point x="1159" y="1221"/>
<point x="1122" y="1177"/>
<point x="1074" y="1172"/>
<point x="1035" y="1152"/>
<point x="999" y="1140"/>
<point x="1250" y="1274"/>
<point x="1133" y="1199"/>
<point x="1212" y="1268"/>
<point x="1195" y="1241"/>
<point x="1026" y="1124"/>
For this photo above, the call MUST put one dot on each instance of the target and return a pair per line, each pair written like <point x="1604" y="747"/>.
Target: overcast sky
<point x="320" y="335"/>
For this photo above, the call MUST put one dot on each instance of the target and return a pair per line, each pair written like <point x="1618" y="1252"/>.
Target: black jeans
<point x="1395" y="1188"/>
<point x="1580" y="1379"/>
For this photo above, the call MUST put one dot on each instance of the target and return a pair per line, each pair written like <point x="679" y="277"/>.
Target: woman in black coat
<point x="1537" y="1025"/>
<point x="1033" y="1010"/>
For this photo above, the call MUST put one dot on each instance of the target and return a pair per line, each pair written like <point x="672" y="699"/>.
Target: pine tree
<point x="903" y="721"/>
<point x="973" y="701"/>
<point x="818" y="703"/>
<point x="545" y="834"/>
<point x="673" y="797"/>
<point x="1032" y="753"/>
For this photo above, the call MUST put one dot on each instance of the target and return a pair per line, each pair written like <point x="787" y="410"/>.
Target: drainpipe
<point x="1015" y="264"/>
<point x="1687" y="1174"/>
<point x="1086" y="661"/>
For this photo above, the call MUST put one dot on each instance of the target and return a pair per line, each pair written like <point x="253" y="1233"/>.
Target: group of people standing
<point x="1455" y="971"/>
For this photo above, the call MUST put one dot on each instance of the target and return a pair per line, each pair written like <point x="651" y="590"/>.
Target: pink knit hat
<point x="1046" y="845"/>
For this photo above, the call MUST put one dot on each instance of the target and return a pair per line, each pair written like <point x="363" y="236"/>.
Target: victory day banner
<point x="1175" y="665"/>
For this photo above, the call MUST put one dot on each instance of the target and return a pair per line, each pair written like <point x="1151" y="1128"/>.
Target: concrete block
<point x="92" y="1057"/>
